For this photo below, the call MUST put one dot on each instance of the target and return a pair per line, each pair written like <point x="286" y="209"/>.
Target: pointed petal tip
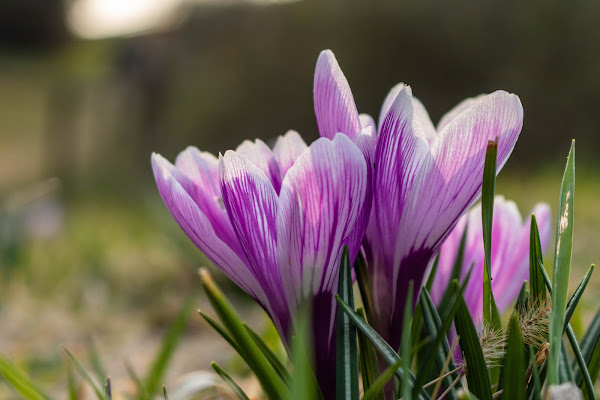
<point x="325" y="55"/>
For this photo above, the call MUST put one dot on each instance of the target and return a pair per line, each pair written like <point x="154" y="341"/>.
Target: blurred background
<point x="89" y="88"/>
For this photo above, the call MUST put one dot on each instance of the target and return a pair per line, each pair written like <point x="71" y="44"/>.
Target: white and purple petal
<point x="447" y="187"/>
<point x="262" y="156"/>
<point x="252" y="204"/>
<point x="321" y="198"/>
<point x="287" y="149"/>
<point x="334" y="104"/>
<point x="201" y="230"/>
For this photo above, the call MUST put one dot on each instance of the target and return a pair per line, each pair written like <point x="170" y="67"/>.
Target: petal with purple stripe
<point x="261" y="155"/>
<point x="320" y="201"/>
<point x="200" y="229"/>
<point x="251" y="203"/>
<point x="334" y="104"/>
<point x="452" y="183"/>
<point x="287" y="149"/>
<point x="401" y="152"/>
<point x="460" y="107"/>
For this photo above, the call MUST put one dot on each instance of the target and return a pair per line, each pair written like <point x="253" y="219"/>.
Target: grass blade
<point x="71" y="385"/>
<point x="137" y="381"/>
<point x="439" y="327"/>
<point x="590" y="348"/>
<point x="574" y="300"/>
<point x="523" y="298"/>
<point x="303" y="384"/>
<point x="20" y="382"/>
<point x="367" y="357"/>
<point x="537" y="383"/>
<point x="376" y="389"/>
<point x="221" y="331"/>
<point x="405" y="343"/>
<point x="347" y="351"/>
<point x="562" y="266"/>
<point x="95" y="361"/>
<point x="514" y="364"/>
<point x="270" y="381"/>
<point x="383" y="348"/>
<point x="477" y="375"/>
<point x="579" y="358"/>
<point x="86" y="376"/>
<point x="593" y="365"/>
<point x="490" y="311"/>
<point x="364" y="286"/>
<point x="434" y="267"/>
<point x="564" y="369"/>
<point x="536" y="281"/>
<point x="169" y="344"/>
<point x="273" y="359"/>
<point x="234" y="386"/>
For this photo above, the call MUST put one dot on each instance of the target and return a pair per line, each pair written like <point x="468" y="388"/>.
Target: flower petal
<point x="421" y="113"/>
<point x="365" y="141"/>
<point x="388" y="101"/>
<point x="287" y="149"/>
<point x="460" y="107"/>
<point x="196" y="173"/>
<point x="200" y="229"/>
<point x="251" y="204"/>
<point x="320" y="201"/>
<point x="451" y="184"/>
<point x="366" y="120"/>
<point x="334" y="104"/>
<point x="261" y="155"/>
<point x="401" y="152"/>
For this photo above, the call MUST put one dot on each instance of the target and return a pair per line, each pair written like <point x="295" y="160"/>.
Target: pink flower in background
<point x="510" y="254"/>
<point x="276" y="221"/>
<point x="424" y="177"/>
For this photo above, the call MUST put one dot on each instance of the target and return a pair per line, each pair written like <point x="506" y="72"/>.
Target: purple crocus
<point x="510" y="254"/>
<point x="424" y="177"/>
<point x="276" y="221"/>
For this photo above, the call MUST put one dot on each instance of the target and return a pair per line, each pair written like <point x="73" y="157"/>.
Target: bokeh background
<point x="89" y="88"/>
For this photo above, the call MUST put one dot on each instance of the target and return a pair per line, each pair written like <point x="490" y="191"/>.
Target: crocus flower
<point x="424" y="177"/>
<point x="276" y="221"/>
<point x="510" y="254"/>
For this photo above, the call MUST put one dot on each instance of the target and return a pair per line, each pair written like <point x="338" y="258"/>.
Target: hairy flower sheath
<point x="276" y="221"/>
<point x="510" y="254"/>
<point x="424" y="177"/>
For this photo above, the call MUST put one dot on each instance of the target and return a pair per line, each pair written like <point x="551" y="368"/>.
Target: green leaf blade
<point x="477" y="375"/>
<point x="169" y="343"/>
<point x="514" y="364"/>
<point x="536" y="280"/>
<point x="270" y="381"/>
<point x="347" y="351"/>
<point x="368" y="360"/>
<point x="405" y="343"/>
<point x="490" y="311"/>
<point x="232" y="384"/>
<point x="562" y="266"/>
<point x="20" y="382"/>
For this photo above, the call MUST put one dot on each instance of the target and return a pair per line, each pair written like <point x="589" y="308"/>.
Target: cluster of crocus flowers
<point x="424" y="177"/>
<point x="276" y="221"/>
<point x="509" y="258"/>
